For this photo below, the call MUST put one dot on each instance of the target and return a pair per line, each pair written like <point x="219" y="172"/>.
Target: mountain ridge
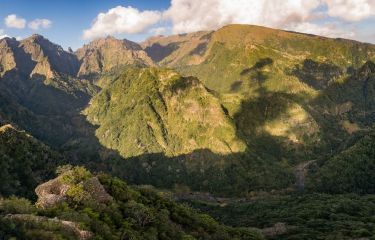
<point x="245" y="97"/>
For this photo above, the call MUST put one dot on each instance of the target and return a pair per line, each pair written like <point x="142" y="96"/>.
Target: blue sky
<point x="75" y="22"/>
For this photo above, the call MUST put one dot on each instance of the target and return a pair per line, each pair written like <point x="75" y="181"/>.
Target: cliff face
<point x="36" y="56"/>
<point x="105" y="54"/>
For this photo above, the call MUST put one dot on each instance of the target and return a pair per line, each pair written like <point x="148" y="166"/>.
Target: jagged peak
<point x="43" y="42"/>
<point x="9" y="41"/>
<point x="36" y="38"/>
<point x="112" y="41"/>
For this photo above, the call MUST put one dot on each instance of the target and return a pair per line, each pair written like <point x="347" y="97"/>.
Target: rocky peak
<point x="36" y="55"/>
<point x="51" y="58"/>
<point x="104" y="54"/>
<point x="8" y="42"/>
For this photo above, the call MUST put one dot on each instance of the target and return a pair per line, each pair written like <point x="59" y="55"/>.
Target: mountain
<point x="281" y="88"/>
<point x="149" y="110"/>
<point x="267" y="119"/>
<point x="103" y="55"/>
<point x="238" y="99"/>
<point x="243" y="101"/>
<point x="37" y="57"/>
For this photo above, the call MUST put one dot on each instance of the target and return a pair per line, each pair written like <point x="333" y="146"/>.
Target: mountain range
<point x="232" y="112"/>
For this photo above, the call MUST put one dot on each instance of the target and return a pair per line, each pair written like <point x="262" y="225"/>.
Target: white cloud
<point x="195" y="15"/>
<point x="158" y="30"/>
<point x="351" y="10"/>
<point x="121" y="20"/>
<point x="327" y="30"/>
<point x="40" y="23"/>
<point x="12" y="21"/>
<point x="2" y="34"/>
<point x="183" y="16"/>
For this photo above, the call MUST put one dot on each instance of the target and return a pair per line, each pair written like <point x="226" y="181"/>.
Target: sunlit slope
<point x="148" y="110"/>
<point x="283" y="89"/>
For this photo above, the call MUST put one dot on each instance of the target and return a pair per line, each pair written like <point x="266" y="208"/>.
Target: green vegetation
<point x="172" y="130"/>
<point x="311" y="216"/>
<point x="24" y="162"/>
<point x="353" y="170"/>
<point x="134" y="213"/>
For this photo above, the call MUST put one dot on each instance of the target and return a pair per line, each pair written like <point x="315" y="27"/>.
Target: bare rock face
<point x="96" y="190"/>
<point x="36" y="55"/>
<point x="51" y="59"/>
<point x="51" y="193"/>
<point x="104" y="54"/>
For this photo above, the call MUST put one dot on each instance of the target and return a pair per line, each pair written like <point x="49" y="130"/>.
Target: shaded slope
<point x="24" y="162"/>
<point x="353" y="170"/>
<point x="172" y="130"/>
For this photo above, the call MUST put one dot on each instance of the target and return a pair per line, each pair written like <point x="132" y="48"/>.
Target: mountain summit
<point x="105" y="54"/>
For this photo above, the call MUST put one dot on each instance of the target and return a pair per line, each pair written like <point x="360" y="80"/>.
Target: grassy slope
<point x="280" y="86"/>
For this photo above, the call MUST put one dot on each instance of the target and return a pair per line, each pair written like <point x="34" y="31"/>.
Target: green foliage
<point x="73" y="175"/>
<point x="135" y="213"/>
<point x="24" y="162"/>
<point x="312" y="216"/>
<point x="16" y="205"/>
<point x="353" y="170"/>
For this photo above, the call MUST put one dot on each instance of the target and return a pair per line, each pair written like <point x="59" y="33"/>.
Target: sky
<point x="72" y="23"/>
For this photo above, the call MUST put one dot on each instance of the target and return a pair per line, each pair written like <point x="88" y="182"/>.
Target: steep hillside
<point x="103" y="55"/>
<point x="24" y="162"/>
<point x="40" y="93"/>
<point x="153" y="111"/>
<point x="353" y="170"/>
<point x="50" y="59"/>
<point x="242" y="108"/>
<point x="172" y="130"/>
<point x="36" y="57"/>
<point x="173" y="50"/>
<point x="283" y="89"/>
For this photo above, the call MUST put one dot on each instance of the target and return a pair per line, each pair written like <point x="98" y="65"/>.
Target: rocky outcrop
<point x="276" y="230"/>
<point x="56" y="190"/>
<point x="96" y="190"/>
<point x="51" y="193"/>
